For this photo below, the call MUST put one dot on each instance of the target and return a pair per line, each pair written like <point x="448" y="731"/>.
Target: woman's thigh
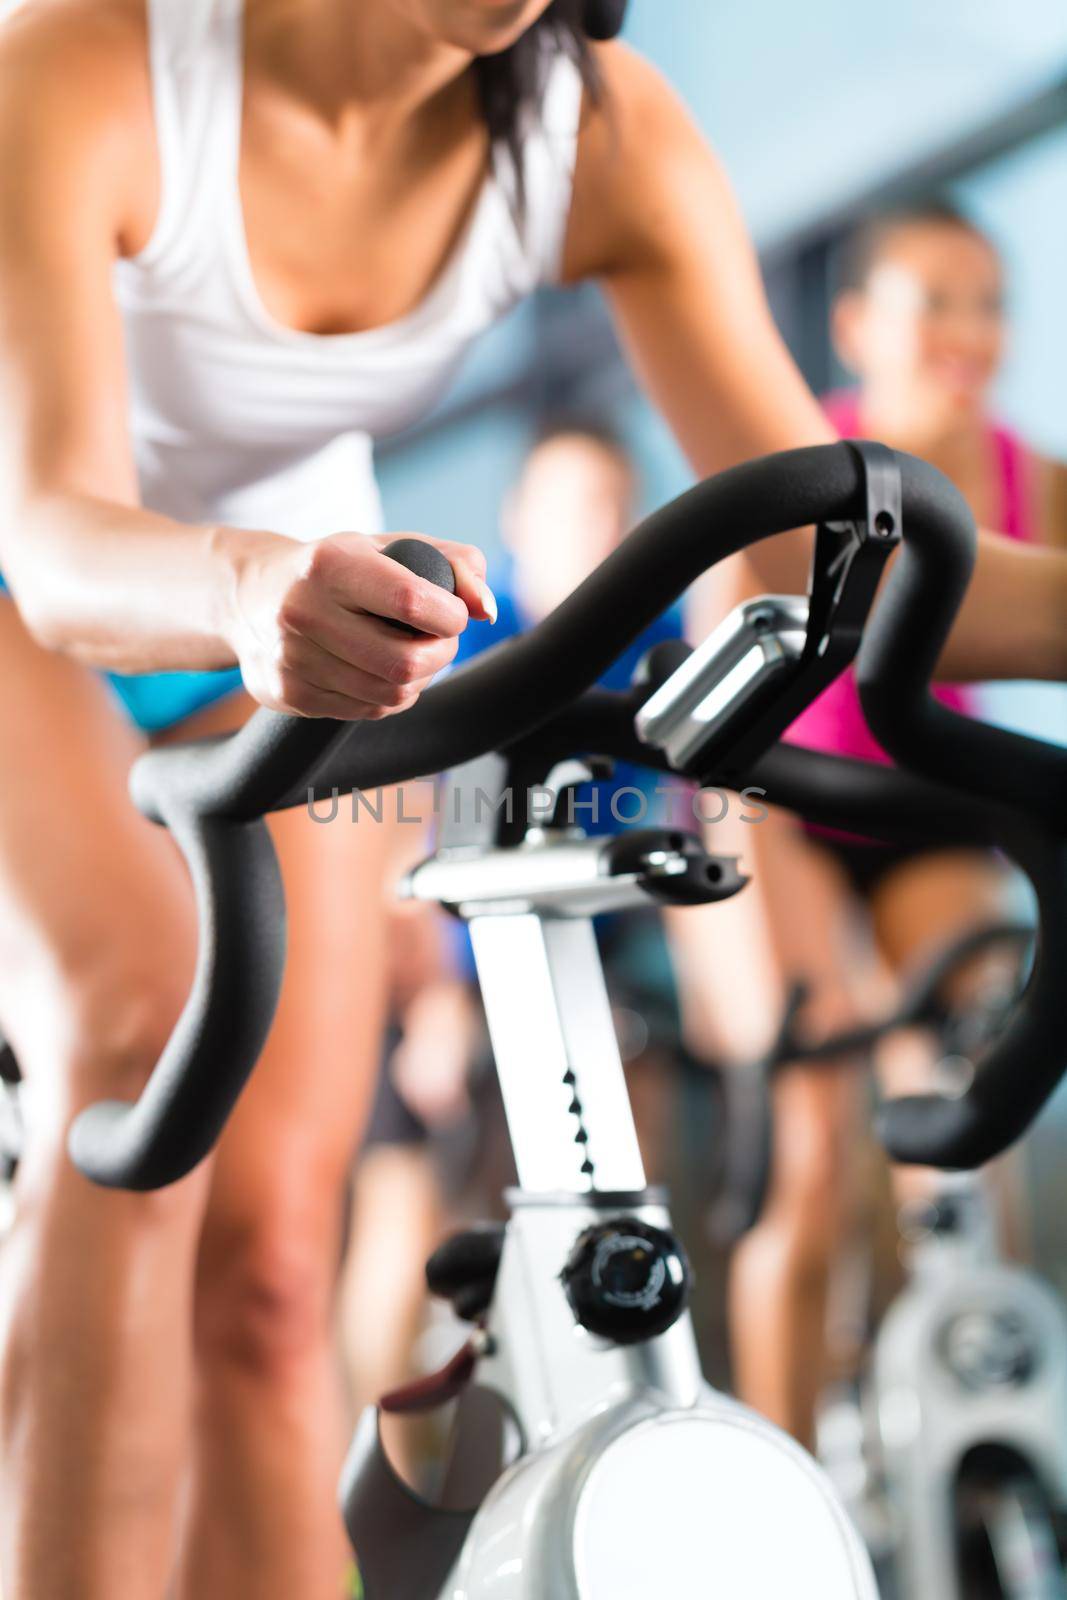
<point x="926" y="902"/>
<point x="819" y="938"/>
<point x="96" y="914"/>
<point x="272" y="1236"/>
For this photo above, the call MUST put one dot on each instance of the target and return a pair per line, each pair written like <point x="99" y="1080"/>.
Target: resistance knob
<point x="626" y="1281"/>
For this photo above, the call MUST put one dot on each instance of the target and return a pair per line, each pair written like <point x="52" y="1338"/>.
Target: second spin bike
<point x="593" y="1461"/>
<point x="951" y="1449"/>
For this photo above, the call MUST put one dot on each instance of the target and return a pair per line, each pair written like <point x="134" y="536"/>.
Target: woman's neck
<point x="348" y="56"/>
<point x="959" y="447"/>
<point x="935" y="436"/>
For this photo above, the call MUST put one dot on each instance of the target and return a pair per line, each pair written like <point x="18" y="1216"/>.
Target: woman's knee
<point x="265" y="1293"/>
<point x="121" y="1023"/>
<point x="92" y="1024"/>
<point x="97" y="1038"/>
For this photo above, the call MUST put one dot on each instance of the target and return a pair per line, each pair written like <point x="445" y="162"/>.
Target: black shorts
<point x="392" y="1122"/>
<point x="865" y="863"/>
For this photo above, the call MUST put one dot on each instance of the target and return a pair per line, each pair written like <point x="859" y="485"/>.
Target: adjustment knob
<point x="626" y="1281"/>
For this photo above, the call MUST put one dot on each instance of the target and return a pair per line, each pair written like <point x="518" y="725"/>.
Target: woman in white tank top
<point x="236" y="243"/>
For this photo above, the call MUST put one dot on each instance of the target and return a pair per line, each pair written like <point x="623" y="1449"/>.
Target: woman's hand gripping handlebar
<point x="240" y="962"/>
<point x="214" y="795"/>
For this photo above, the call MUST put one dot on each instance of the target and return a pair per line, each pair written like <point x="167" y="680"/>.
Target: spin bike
<point x="593" y="1460"/>
<point x="953" y="1450"/>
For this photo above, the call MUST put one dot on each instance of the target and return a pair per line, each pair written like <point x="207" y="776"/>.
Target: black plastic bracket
<point x="847" y="566"/>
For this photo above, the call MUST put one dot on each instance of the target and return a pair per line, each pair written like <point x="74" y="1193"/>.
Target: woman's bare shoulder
<point x="105" y="38"/>
<point x="75" y="102"/>
<point x="638" y="149"/>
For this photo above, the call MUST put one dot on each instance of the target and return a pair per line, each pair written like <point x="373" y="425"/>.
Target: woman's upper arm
<point x="654" y="219"/>
<point x="70" y="166"/>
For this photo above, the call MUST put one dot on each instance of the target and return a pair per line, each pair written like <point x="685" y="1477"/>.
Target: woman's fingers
<point x="468" y="565"/>
<point x="368" y="642"/>
<point x="315" y="637"/>
<point x="359" y="578"/>
<point x="307" y="662"/>
<point x="475" y="592"/>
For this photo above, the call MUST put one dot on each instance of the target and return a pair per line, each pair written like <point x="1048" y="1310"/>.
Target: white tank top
<point x="238" y="419"/>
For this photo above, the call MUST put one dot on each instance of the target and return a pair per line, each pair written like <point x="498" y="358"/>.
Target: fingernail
<point x="488" y="599"/>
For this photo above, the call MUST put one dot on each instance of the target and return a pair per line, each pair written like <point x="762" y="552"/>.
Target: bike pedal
<point x="463" y="1270"/>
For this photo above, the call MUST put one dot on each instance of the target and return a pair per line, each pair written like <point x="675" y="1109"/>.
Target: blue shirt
<point x="612" y="809"/>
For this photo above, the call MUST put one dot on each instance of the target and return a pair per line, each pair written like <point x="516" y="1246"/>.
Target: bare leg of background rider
<point x="271" y="1414"/>
<point x="96" y="944"/>
<point x="794" y="921"/>
<point x="398" y="1216"/>
<point x="398" y="1208"/>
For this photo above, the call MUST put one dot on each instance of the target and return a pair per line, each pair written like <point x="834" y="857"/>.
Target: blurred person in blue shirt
<point x="573" y="503"/>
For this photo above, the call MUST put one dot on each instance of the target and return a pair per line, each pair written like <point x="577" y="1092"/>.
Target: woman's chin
<point x="955" y="404"/>
<point x="967" y="402"/>
<point x="489" y="27"/>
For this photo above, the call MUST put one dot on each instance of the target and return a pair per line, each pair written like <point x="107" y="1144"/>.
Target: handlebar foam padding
<point x="1026" y="1064"/>
<point x="424" y="560"/>
<point x="490" y="702"/>
<point x="506" y="692"/>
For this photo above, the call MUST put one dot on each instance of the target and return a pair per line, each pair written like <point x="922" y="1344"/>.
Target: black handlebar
<point x="227" y="1017"/>
<point x="214" y="795"/>
<point x="924" y="1003"/>
<point x="748" y="1143"/>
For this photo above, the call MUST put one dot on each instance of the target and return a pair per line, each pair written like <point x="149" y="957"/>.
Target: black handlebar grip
<point x="240" y="963"/>
<point x="424" y="560"/>
<point x="898" y="658"/>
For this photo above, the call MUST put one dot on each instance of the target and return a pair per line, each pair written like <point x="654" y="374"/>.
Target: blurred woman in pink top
<point x="920" y="322"/>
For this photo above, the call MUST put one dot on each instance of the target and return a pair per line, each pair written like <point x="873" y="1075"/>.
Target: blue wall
<point x="809" y="103"/>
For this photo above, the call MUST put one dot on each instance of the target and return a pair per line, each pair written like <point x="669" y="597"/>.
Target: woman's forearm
<point x="122" y="588"/>
<point x="1012" y="624"/>
<point x="1013" y="621"/>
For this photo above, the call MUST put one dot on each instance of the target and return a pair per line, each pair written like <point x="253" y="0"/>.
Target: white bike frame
<point x="633" y="1477"/>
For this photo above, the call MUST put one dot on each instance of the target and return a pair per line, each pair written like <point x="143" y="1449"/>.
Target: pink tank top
<point x="835" y="723"/>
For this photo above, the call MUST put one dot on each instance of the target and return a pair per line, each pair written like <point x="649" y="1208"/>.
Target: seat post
<point x="557" y="1056"/>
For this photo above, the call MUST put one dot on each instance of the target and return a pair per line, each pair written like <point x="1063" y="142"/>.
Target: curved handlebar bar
<point x="922" y="1004"/>
<point x="749" y="1142"/>
<point x="213" y="795"/>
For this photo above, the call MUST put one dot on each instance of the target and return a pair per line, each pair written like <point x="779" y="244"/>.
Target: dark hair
<point x="863" y="248"/>
<point x="511" y="83"/>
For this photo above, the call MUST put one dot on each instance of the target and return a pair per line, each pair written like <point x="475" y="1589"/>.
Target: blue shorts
<point x="155" y="701"/>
